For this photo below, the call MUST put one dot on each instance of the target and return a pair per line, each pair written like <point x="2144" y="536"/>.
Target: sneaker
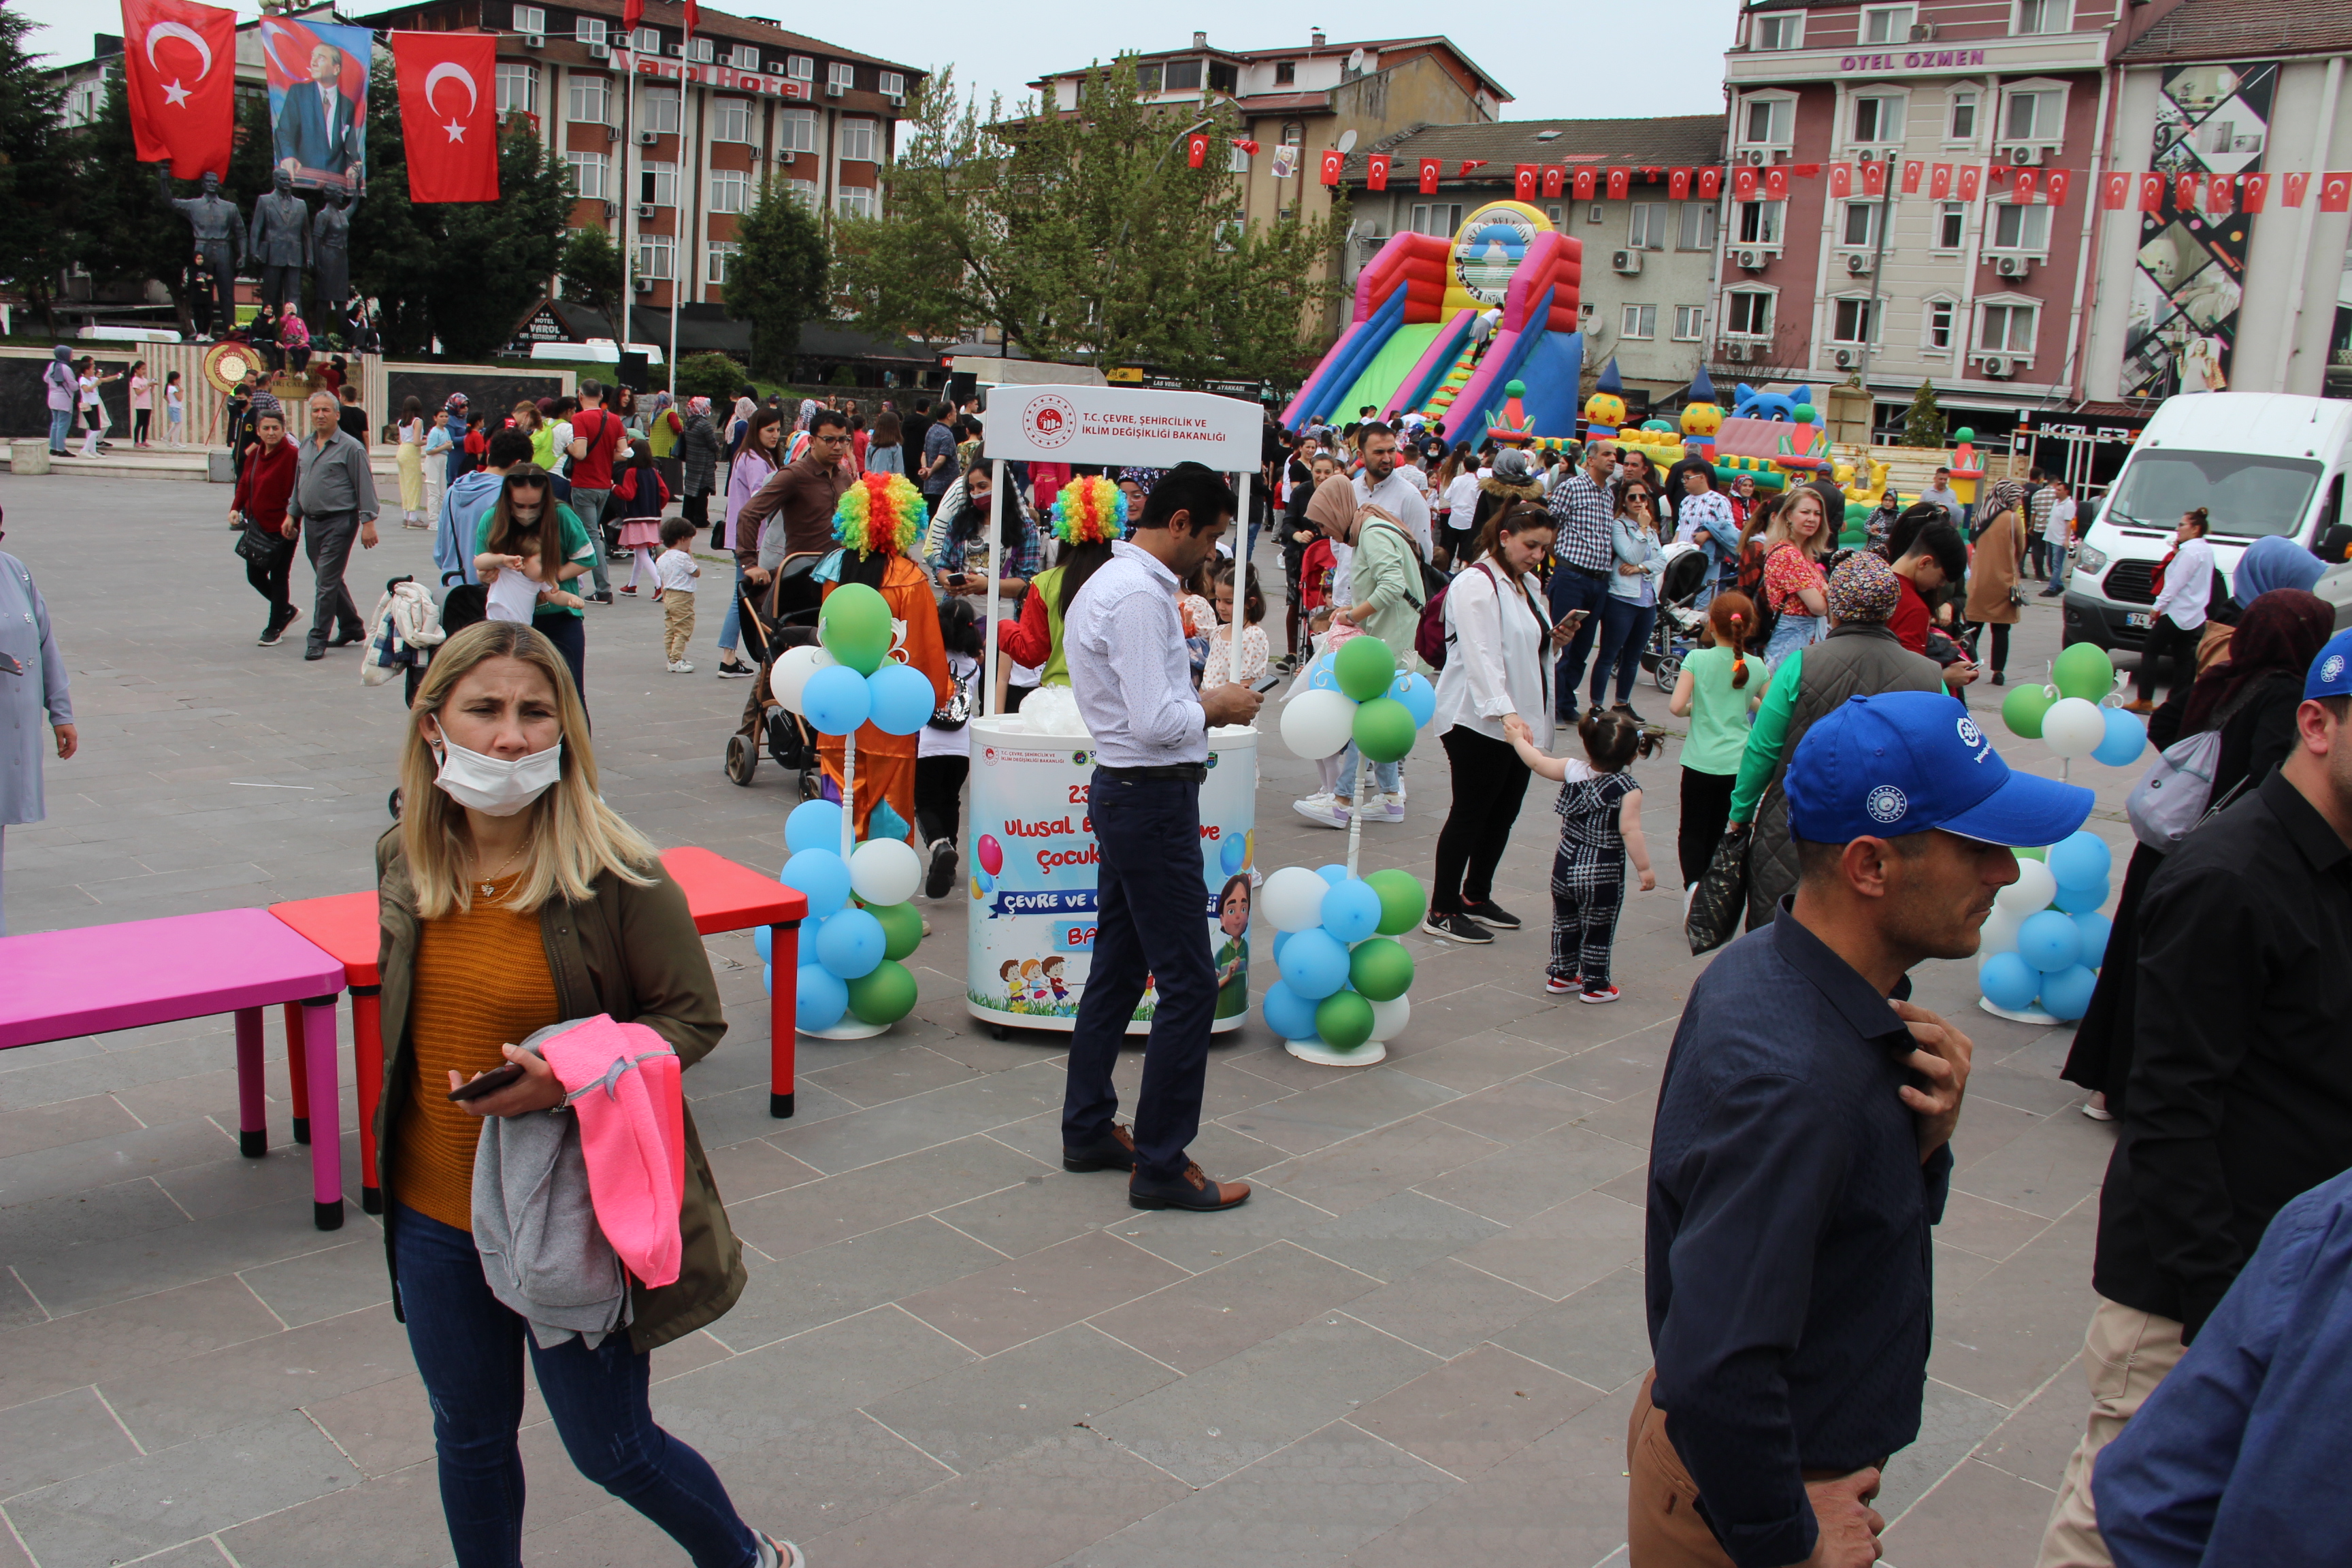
<point x="775" y="1554"/>
<point x="603" y="598"/>
<point x="1487" y="911"/>
<point x="943" y="874"/>
<point x="630" y="589"/>
<point x="2095" y="1108"/>
<point x="680" y="667"/>
<point x="271" y="636"/>
<point x="1389" y="808"/>
<point x="1115" y="1152"/>
<point x="310" y="655"/>
<point x="1459" y="926"/>
<point x="735" y="669"/>
<point x="1607" y="993"/>
<point x="1554" y="985"/>
<point x="1323" y="808"/>
<point x="1193" y="1190"/>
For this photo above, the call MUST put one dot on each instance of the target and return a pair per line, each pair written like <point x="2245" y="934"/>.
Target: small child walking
<point x="1716" y="690"/>
<point x="1600" y="828"/>
<point x="637" y="498"/>
<point x="675" y="579"/>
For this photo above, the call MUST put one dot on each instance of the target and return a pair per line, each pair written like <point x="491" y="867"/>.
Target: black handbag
<point x="253" y="545"/>
<point x="1720" y="904"/>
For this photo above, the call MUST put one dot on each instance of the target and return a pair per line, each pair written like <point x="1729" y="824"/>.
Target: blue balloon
<point x="1334" y="874"/>
<point x="987" y="886"/>
<point x="1231" y="851"/>
<point x="1352" y="911"/>
<point x="2126" y="737"/>
<point x="1287" y="1013"/>
<point x="2080" y="899"/>
<point x="2048" y="941"/>
<point x="1280" y="937"/>
<point x="813" y="824"/>
<point x="2009" y="981"/>
<point x="1420" y="697"/>
<point x="901" y="699"/>
<point x="768" y="978"/>
<point x="849" y="944"/>
<point x="764" y="939"/>
<point x="823" y="878"/>
<point x="2081" y="859"/>
<point x="1314" y="964"/>
<point x="820" y="999"/>
<point x="1320" y="674"/>
<point x="836" y="700"/>
<point x="2096" y="929"/>
<point x="2066" y="995"/>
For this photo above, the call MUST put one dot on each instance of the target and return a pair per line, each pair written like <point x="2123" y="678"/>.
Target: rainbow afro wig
<point x="1089" y="511"/>
<point x="880" y="513"/>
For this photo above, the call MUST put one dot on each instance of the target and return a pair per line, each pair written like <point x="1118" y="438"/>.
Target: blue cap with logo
<point x="2331" y="672"/>
<point x="1904" y="761"/>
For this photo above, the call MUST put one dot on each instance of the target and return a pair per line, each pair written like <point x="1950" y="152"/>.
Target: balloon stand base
<point x="1323" y="1056"/>
<point x="2018" y="1015"/>
<point x="847" y="1029"/>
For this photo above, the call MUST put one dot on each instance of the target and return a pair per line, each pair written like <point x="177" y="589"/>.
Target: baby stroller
<point x="781" y="616"/>
<point x="1677" y="631"/>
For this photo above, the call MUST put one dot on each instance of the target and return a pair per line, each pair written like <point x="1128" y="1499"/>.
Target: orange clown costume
<point x="876" y="522"/>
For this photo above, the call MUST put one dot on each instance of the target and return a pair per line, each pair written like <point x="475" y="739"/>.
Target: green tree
<point x="129" y="232"/>
<point x="1923" y="426"/>
<point x="35" y="189"/>
<point x="780" y="277"/>
<point x="712" y="375"/>
<point x="593" y="274"/>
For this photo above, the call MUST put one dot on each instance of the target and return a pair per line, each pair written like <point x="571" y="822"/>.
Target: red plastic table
<point x="724" y="895"/>
<point x="346" y="927"/>
<point x="56" y="984"/>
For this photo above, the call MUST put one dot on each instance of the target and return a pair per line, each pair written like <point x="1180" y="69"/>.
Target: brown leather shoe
<point x="1193" y="1190"/>
<point x="1115" y="1152"/>
<point x="2142" y="706"/>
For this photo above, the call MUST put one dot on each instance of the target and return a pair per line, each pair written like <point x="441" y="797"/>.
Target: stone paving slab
<point x="1418" y="1342"/>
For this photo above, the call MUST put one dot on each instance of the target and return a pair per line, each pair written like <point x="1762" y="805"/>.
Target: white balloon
<point x="884" y="871"/>
<point x="2033" y="890"/>
<point x="1315" y="724"/>
<point x="1292" y="899"/>
<point x="2000" y="932"/>
<point x="791" y="671"/>
<point x="2073" y="727"/>
<point x="1390" y="1018"/>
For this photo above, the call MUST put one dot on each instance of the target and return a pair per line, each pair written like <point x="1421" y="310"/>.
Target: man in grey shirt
<point x="334" y="498"/>
<point x="1941" y="494"/>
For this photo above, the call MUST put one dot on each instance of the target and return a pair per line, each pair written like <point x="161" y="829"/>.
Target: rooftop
<point x="2246" y="29"/>
<point x="709" y="24"/>
<point x="1301" y="51"/>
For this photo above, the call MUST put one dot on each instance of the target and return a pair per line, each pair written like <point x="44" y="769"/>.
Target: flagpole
<point x="677" y="213"/>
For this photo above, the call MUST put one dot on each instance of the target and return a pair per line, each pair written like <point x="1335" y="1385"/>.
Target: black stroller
<point x="1676" y="629"/>
<point x="779" y="616"/>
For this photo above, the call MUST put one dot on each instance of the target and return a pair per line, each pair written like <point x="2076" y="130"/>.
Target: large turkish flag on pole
<point x="448" y="115"/>
<point x="179" y="64"/>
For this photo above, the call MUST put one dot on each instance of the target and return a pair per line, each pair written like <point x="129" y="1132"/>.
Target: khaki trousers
<point x="677" y="622"/>
<point x="1662" y="1527"/>
<point x="2127" y="1354"/>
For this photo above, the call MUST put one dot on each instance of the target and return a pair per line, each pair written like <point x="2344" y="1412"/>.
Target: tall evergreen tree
<point x="780" y="277"/>
<point x="593" y="274"/>
<point x="41" y="234"/>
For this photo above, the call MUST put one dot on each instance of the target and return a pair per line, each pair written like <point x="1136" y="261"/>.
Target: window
<point x="589" y="172"/>
<point x="1639" y="323"/>
<point x="1886" y="24"/>
<point x="1859" y="225"/>
<point x="1854" y="322"/>
<point x="894" y="84"/>
<point x="2043" y="16"/>
<point x="2032" y="117"/>
<point x="81" y="104"/>
<point x="1440" y="218"/>
<point x="657" y="108"/>
<point x="746" y="57"/>
<point x="1223" y="77"/>
<point x="1962" y="126"/>
<point x="1237" y="159"/>
<point x="1147" y="79"/>
<point x="1878" y="119"/>
<point x="1286" y="73"/>
<point x="1294" y="134"/>
<point x="701" y="50"/>
<point x="2007" y="329"/>
<point x="800" y="67"/>
<point x="657" y="183"/>
<point x="1782" y="32"/>
<point x="840" y="77"/>
<point x="1183" y="76"/>
<point x="646" y="40"/>
<point x="2016" y="227"/>
<point x="1697" y="227"/>
<point x="802" y="192"/>
<point x="720" y="269"/>
<point x="518" y="89"/>
<point x="854" y="201"/>
<point x="1951" y="225"/>
<point x="1649" y="232"/>
<point x="1749" y="315"/>
<point x="1688" y="319"/>
<point x="730" y="119"/>
<point x="1767" y="121"/>
<point x="1552" y="213"/>
<point x="1759" y="222"/>
<point x="1937" y="326"/>
<point x="1596" y="214"/>
<point x="590" y="98"/>
<point x="531" y="19"/>
<point x="858" y="142"/>
<point x="796" y="130"/>
<point x="657" y="255"/>
<point x="588" y="29"/>
<point x="731" y="190"/>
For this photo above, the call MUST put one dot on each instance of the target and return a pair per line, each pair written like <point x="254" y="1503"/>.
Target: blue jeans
<point x="1790" y="633"/>
<point x="1384" y="774"/>
<point x="1573" y="590"/>
<point x="61" y="422"/>
<point x="1151" y="918"/>
<point x="469" y="1348"/>
<point x="1625" y="633"/>
<point x="728" y="632"/>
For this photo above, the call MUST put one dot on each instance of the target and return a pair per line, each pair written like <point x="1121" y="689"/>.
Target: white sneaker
<point x="1385" y="808"/>
<point x="1323" y="808"/>
<point x="680" y="667"/>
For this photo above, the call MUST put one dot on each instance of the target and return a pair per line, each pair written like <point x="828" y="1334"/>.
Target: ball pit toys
<point x="1767" y="477"/>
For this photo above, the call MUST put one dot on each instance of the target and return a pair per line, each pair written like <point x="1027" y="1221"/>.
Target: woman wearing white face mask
<point x="513" y="898"/>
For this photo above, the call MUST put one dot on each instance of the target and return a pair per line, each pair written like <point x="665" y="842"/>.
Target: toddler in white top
<point x="676" y="578"/>
<point x="512" y="592"/>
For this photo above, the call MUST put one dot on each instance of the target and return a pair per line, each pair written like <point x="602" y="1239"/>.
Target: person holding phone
<point x="511" y="898"/>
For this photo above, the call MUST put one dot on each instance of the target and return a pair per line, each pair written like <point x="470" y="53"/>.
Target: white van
<point x="2259" y="463"/>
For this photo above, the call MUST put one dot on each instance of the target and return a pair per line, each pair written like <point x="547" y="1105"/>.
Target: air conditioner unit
<point x="1845" y="359"/>
<point x="611" y="211"/>
<point x="1922" y="32"/>
<point x="644" y="285"/>
<point x="896" y="99"/>
<point x="2027" y="157"/>
<point x="645" y="209"/>
<point x="600" y="51"/>
<point x="833" y="90"/>
<point x="648" y="138"/>
<point x="1998" y="365"/>
<point x="1628" y="262"/>
<point x="677" y="52"/>
<point x="1867" y="155"/>
<point x="1857" y="263"/>
<point x="2011" y="266"/>
<point x="1751" y="260"/>
<point x="534" y="40"/>
<point x="1736" y="353"/>
<point x="1758" y="156"/>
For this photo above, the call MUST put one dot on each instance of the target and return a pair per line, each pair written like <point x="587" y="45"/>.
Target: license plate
<point x="2139" y="620"/>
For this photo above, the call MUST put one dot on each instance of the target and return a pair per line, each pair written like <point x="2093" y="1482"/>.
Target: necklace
<point x="489" y="884"/>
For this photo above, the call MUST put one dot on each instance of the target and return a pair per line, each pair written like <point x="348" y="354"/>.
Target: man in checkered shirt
<point x="1584" y="512"/>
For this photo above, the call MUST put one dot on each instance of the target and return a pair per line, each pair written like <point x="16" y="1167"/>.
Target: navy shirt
<point x="1788" y="1263"/>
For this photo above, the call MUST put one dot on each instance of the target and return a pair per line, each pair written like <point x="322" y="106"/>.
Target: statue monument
<point x="331" y="251"/>
<point x="280" y="241"/>
<point x="220" y="240"/>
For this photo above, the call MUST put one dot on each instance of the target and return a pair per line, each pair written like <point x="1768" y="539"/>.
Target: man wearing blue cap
<point x="2239" y="1099"/>
<point x="1802" y="1148"/>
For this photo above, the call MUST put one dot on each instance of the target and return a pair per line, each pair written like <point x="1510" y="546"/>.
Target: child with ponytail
<point x="1720" y="686"/>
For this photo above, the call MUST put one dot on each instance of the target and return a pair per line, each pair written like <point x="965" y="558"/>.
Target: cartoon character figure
<point x="1053" y="970"/>
<point x="1233" y="958"/>
<point x="1750" y="404"/>
<point x="1604" y="411"/>
<point x="1968" y="467"/>
<point x="1032" y="980"/>
<point x="1008" y="974"/>
<point x="1512" y="423"/>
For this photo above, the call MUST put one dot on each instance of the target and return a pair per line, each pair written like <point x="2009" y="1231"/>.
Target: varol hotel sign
<point x="1914" y="60"/>
<point x="714" y="75"/>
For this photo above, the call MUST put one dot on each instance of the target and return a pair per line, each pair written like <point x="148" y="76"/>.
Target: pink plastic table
<point x="56" y="984"/>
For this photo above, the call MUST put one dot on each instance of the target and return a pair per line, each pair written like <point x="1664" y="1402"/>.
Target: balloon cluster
<point x="2045" y="939"/>
<point x="1355" y="692"/>
<point x="848" y="678"/>
<point x="861" y="922"/>
<point x="2068" y="714"/>
<point x="1344" y="974"/>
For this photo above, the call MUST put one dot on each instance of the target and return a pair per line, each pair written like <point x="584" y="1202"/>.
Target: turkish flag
<point x="1840" y="179"/>
<point x="1775" y="184"/>
<point x="2021" y="188"/>
<point x="1246" y="145"/>
<point x="1196" y="149"/>
<point x="1710" y="184"/>
<point x="2335" y="191"/>
<point x="448" y="115"/>
<point x="1470" y="163"/>
<point x="2184" y="192"/>
<point x="2220" y="195"/>
<point x="2056" y="185"/>
<point x="693" y="19"/>
<point x="1430" y="169"/>
<point x="1555" y="180"/>
<point x="2115" y="192"/>
<point x="1525" y="182"/>
<point x="1912" y="169"/>
<point x="2292" y="196"/>
<point x="1743" y="184"/>
<point x="1376" y="172"/>
<point x="2151" y="192"/>
<point x="1873" y="179"/>
<point x="179" y="64"/>
<point x="1620" y="181"/>
<point x="1582" y="183"/>
<point x="1939" y="181"/>
<point x="2258" y="192"/>
<point x="1678" y="184"/>
<point x="1332" y="161"/>
<point x="1969" y="176"/>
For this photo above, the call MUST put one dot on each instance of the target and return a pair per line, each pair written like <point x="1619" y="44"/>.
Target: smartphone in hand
<point x="1571" y="621"/>
<point x="490" y="1082"/>
<point x="1267" y="685"/>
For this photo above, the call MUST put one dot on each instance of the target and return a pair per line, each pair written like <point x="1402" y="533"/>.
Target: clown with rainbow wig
<point x="1087" y="515"/>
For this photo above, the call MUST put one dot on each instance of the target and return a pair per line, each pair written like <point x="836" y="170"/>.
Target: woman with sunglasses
<point x="1631" y="604"/>
<point x="516" y="528"/>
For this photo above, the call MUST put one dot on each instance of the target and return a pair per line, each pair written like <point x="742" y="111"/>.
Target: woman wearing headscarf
<point x="698" y="445"/>
<point x="663" y="428"/>
<point x="1994" y="597"/>
<point x="1859" y="657"/>
<point x="2250" y="697"/>
<point x="2272" y="562"/>
<point x="876" y="523"/>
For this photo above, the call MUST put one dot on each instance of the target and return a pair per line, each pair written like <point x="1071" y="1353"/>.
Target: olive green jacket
<point x="630" y="952"/>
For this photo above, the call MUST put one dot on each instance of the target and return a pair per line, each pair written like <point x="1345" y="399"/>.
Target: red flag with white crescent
<point x="2021" y="188"/>
<point x="1525" y="182"/>
<point x="1873" y="179"/>
<point x="2185" y="191"/>
<point x="2115" y="192"/>
<point x="1939" y="181"/>
<point x="1775" y="184"/>
<point x="1710" y="184"/>
<point x="1376" y="172"/>
<point x="2220" y="195"/>
<point x="1912" y="169"/>
<point x="2335" y="191"/>
<point x="1743" y="184"/>
<point x="448" y="115"/>
<point x="1969" y="176"/>
<point x="2257" y="193"/>
<point x="2290" y="191"/>
<point x="2151" y="192"/>
<point x="1429" y="170"/>
<point x="1586" y="184"/>
<point x="1620" y="181"/>
<point x="2056" y="185"/>
<point x="179" y="67"/>
<point x="1196" y="149"/>
<point x="1555" y="180"/>
<point x="1678" y="182"/>
<point x="1841" y="179"/>
<point x="1332" y="161"/>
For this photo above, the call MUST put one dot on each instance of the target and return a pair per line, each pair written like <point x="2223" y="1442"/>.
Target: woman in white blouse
<point x="1498" y="663"/>
<point x="2179" y="610"/>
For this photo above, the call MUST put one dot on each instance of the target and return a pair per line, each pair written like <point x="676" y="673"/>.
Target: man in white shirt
<point x="2179" y="610"/>
<point x="1133" y="683"/>
<point x="1385" y="483"/>
<point x="2058" y="535"/>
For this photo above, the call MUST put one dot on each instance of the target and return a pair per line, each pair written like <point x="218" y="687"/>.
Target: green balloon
<point x="1364" y="669"/>
<point x="1402" y="903"/>
<point x="902" y="928"/>
<point x="886" y="995"/>
<point x="2026" y="854"/>
<point x="1381" y="968"/>
<point x="2022" y="710"/>
<point x="855" y="626"/>
<point x="1384" y="729"/>
<point x="2084" y="670"/>
<point x="1343" y="1020"/>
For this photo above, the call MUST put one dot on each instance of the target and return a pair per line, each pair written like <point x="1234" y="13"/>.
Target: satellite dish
<point x="1347" y="142"/>
<point x="1356" y="61"/>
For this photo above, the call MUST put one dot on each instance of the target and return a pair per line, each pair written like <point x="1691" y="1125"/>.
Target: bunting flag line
<point x="1743" y="184"/>
<point x="1710" y="184"/>
<point x="1587" y="182"/>
<point x="1840" y="181"/>
<point x="1332" y="159"/>
<point x="2059" y="179"/>
<point x="1939" y="181"/>
<point x="1620" y="181"/>
<point x="1678" y="184"/>
<point x="1969" y="174"/>
<point x="1912" y="169"/>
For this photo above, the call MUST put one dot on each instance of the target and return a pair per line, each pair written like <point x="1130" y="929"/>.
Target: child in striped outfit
<point x="1600" y="828"/>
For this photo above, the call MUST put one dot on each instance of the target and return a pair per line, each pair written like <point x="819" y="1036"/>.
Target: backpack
<point x="2176" y="793"/>
<point x="1429" y="639"/>
<point x="1430" y="600"/>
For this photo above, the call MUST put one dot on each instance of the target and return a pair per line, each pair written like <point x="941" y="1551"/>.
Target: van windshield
<point x="2246" y="496"/>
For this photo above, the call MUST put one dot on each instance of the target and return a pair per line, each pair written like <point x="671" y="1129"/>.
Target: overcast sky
<point x="1579" y="60"/>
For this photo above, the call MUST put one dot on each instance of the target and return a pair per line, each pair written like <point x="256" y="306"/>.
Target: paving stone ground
<point x="1417" y="1343"/>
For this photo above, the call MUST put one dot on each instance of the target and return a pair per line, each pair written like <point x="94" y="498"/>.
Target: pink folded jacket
<point x="623" y="1080"/>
